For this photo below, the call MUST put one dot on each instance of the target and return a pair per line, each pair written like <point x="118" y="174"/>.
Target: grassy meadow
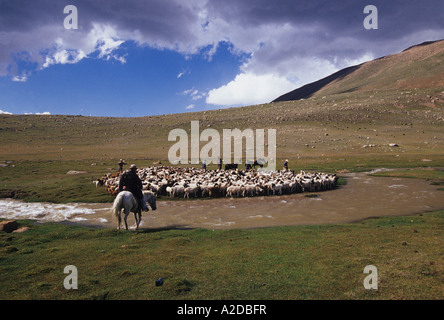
<point x="285" y="263"/>
<point x="335" y="133"/>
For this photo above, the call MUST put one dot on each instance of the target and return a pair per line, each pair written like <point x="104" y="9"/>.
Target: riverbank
<point x="49" y="181"/>
<point x="363" y="196"/>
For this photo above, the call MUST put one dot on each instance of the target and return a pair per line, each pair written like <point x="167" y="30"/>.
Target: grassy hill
<point x="334" y="125"/>
<point x="419" y="66"/>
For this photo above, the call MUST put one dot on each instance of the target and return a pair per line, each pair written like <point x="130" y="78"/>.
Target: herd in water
<point x="200" y="183"/>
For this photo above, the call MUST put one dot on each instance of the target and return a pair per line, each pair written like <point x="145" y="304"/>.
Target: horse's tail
<point x="117" y="205"/>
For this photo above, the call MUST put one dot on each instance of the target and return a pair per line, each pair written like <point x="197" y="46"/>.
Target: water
<point x="363" y="197"/>
<point x="13" y="209"/>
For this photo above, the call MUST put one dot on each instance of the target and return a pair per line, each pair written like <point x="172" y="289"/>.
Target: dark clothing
<point x="257" y="164"/>
<point x="121" y="166"/>
<point x="131" y="181"/>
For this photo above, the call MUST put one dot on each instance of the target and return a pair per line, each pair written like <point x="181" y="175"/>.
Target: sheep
<point x="178" y="190"/>
<point x="191" y="190"/>
<point x="99" y="182"/>
<point x="307" y="185"/>
<point x="234" y="191"/>
<point x="252" y="190"/>
<point x="169" y="191"/>
<point x="192" y="182"/>
<point x="214" y="191"/>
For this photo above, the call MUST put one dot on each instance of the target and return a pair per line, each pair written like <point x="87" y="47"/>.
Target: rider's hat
<point x="133" y="166"/>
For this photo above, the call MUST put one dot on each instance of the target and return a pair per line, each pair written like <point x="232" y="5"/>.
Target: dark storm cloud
<point x="397" y="17"/>
<point x="281" y="35"/>
<point x="327" y="21"/>
<point x="36" y="27"/>
<point x="160" y="21"/>
<point x="313" y="38"/>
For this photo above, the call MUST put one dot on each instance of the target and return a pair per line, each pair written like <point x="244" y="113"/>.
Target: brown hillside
<point x="420" y="66"/>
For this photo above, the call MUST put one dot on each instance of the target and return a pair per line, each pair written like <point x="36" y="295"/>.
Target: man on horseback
<point x="130" y="181"/>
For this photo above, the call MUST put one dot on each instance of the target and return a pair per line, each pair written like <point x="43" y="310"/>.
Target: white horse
<point x="125" y="200"/>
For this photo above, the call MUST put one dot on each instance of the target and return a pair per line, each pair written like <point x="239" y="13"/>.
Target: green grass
<point x="302" y="262"/>
<point x="48" y="181"/>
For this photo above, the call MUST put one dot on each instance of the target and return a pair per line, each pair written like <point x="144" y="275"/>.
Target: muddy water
<point x="363" y="196"/>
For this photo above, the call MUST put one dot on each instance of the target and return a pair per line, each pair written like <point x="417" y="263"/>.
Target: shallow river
<point x="364" y="196"/>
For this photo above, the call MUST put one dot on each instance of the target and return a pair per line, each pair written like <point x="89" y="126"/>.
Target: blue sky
<point x="150" y="82"/>
<point x="138" y="58"/>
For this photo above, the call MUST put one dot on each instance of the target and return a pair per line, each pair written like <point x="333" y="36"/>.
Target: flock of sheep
<point x="197" y="183"/>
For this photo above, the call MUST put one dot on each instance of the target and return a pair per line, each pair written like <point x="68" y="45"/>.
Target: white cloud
<point x="197" y="95"/>
<point x="46" y="113"/>
<point x="187" y="92"/>
<point x="194" y="94"/>
<point x="252" y="87"/>
<point x="278" y="62"/>
<point x="22" y="78"/>
<point x="353" y="62"/>
<point x="190" y="107"/>
<point x="101" y="39"/>
<point x="182" y="73"/>
<point x="4" y="112"/>
<point x="63" y="56"/>
<point x="249" y="88"/>
<point x="105" y="39"/>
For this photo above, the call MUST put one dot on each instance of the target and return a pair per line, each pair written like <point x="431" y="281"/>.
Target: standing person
<point x="286" y="165"/>
<point x="219" y="163"/>
<point x="204" y="164"/>
<point x="121" y="163"/>
<point x="130" y="181"/>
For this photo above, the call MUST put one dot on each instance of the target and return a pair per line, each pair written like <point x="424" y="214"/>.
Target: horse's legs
<point x="119" y="220"/>
<point x="138" y="218"/>
<point x="126" y="216"/>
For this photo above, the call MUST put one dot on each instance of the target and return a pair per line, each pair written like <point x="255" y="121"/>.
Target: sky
<point x="133" y="58"/>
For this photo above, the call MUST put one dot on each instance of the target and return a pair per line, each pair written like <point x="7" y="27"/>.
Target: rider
<point x="286" y="165"/>
<point x="130" y="181"/>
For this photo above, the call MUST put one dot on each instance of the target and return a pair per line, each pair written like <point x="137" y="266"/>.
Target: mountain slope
<point x="419" y="66"/>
